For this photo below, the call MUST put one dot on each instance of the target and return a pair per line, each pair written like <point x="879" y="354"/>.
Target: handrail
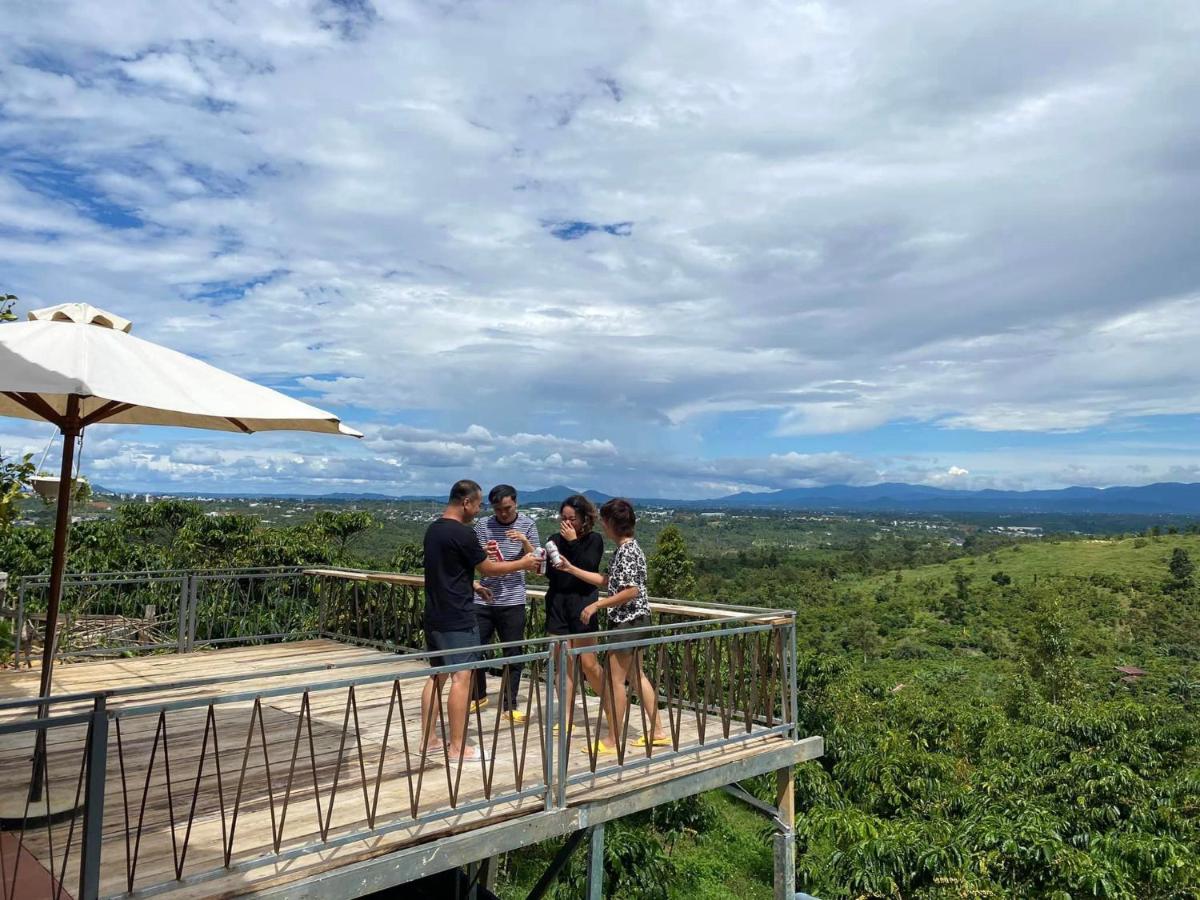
<point x="695" y="609"/>
<point x="722" y="676"/>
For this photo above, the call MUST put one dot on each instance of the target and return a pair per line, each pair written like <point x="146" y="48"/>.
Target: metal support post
<point x="19" y="645"/>
<point x="487" y="873"/>
<point x="793" y="677"/>
<point x="785" y="835"/>
<point x="551" y="716"/>
<point x="193" y="602"/>
<point x="93" y="810"/>
<point x="594" y="890"/>
<point x="557" y="864"/>
<point x="566" y="714"/>
<point x="181" y="624"/>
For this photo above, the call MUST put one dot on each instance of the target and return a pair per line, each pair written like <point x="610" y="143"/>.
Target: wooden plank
<point x="247" y="668"/>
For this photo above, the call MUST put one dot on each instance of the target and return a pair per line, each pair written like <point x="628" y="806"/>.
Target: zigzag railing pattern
<point x="213" y="774"/>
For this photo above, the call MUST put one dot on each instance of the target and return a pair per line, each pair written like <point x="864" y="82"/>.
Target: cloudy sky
<point x="655" y="248"/>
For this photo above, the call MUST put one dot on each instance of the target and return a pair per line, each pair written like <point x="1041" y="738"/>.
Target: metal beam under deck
<point x="368" y="876"/>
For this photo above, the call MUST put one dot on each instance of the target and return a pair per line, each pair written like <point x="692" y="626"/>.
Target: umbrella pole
<point x="71" y="428"/>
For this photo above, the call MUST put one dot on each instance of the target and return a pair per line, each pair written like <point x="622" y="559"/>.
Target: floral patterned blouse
<point x="628" y="569"/>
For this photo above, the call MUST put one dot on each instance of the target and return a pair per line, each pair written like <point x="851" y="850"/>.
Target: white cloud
<point x="834" y="217"/>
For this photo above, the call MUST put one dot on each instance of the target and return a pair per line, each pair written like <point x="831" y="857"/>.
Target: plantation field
<point x="1135" y="559"/>
<point x="979" y="740"/>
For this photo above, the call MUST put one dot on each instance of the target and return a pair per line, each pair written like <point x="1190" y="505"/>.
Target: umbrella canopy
<point x="76" y="350"/>
<point x="75" y="365"/>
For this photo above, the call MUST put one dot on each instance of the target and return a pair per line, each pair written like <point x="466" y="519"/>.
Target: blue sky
<point x="665" y="248"/>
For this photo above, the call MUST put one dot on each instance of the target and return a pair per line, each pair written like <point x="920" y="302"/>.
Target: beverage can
<point x="540" y="555"/>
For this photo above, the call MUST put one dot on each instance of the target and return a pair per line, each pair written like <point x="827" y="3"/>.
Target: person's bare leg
<point x="431" y="706"/>
<point x="460" y="697"/>
<point x="648" y="694"/>
<point x="595" y="677"/>
<point x="618" y="671"/>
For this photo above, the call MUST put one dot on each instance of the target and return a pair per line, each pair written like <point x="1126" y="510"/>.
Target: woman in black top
<point x="568" y="596"/>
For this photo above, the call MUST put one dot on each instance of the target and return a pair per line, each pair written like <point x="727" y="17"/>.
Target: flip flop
<point x="656" y="742"/>
<point x="601" y="749"/>
<point x="471" y="757"/>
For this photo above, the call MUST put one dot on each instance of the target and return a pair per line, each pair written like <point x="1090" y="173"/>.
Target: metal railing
<point x="117" y="613"/>
<point x="122" y="613"/>
<point x="152" y="786"/>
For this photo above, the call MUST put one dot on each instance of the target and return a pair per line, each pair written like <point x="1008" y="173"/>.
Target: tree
<point x="962" y="586"/>
<point x="344" y="526"/>
<point x="671" y="569"/>
<point x="1181" y="568"/>
<point x="863" y="635"/>
<point x="1052" y="653"/>
<point x="14" y="478"/>
<point x="158" y="522"/>
<point x="409" y="557"/>
<point x="83" y="491"/>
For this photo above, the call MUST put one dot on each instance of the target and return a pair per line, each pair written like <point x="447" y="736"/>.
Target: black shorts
<point x="633" y="630"/>
<point x="452" y="640"/>
<point x="563" y="611"/>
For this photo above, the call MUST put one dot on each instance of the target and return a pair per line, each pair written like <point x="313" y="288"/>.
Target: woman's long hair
<point x="584" y="509"/>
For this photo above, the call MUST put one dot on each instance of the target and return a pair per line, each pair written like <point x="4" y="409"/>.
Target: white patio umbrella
<point x="76" y="366"/>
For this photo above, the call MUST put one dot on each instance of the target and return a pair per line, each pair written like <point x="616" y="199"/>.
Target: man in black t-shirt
<point x="452" y="554"/>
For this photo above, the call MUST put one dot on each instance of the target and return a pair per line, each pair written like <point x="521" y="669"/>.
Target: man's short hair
<point x="464" y="490"/>
<point x="618" y="513"/>
<point x="500" y="491"/>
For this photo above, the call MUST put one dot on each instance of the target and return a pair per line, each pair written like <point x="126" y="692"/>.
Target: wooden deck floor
<point x="291" y="771"/>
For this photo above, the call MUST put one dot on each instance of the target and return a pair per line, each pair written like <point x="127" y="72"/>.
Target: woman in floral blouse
<point x="628" y="609"/>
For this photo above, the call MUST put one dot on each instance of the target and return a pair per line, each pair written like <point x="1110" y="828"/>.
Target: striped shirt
<point x="507" y="590"/>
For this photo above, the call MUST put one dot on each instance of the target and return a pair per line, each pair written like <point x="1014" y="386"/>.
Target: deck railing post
<point x="93" y="810"/>
<point x="550" y="718"/>
<point x="193" y="602"/>
<point x="316" y="583"/>
<point x="181" y="626"/>
<point x="785" y="835"/>
<point x="566" y="713"/>
<point x="790" y="657"/>
<point x="19" y="628"/>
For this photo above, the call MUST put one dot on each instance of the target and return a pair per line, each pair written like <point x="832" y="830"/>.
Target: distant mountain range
<point x="894" y="497"/>
<point x="559" y="493"/>
<point x="1150" y="499"/>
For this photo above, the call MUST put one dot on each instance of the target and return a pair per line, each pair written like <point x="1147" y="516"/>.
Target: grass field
<point x="731" y="858"/>
<point x="1131" y="558"/>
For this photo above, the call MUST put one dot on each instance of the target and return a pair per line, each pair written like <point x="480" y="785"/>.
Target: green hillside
<point x="1134" y="559"/>
<point x="979" y="741"/>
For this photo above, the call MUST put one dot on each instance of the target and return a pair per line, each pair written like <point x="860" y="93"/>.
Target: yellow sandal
<point x="656" y="742"/>
<point x="600" y="748"/>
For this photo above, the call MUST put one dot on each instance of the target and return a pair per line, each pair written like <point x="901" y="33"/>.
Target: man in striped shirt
<point x="500" y="603"/>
